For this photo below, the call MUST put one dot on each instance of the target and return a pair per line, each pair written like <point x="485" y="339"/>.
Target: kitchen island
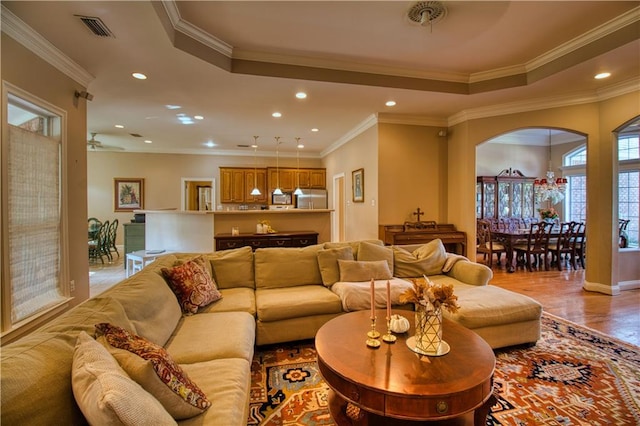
<point x="194" y="231"/>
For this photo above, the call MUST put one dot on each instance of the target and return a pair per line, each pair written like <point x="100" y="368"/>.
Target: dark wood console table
<point x="455" y="241"/>
<point x="279" y="239"/>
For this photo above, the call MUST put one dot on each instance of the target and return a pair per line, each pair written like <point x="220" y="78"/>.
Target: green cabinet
<point x="133" y="238"/>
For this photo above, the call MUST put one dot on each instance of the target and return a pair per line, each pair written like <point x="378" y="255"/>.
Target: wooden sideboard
<point x="280" y="239"/>
<point x="455" y="241"/>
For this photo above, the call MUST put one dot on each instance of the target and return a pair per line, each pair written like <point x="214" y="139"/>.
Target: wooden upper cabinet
<point x="260" y="180"/>
<point x="304" y="178"/>
<point x="283" y="177"/>
<point x="317" y="178"/>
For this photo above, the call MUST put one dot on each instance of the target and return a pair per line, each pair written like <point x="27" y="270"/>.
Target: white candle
<point x="388" y="300"/>
<point x="373" y="300"/>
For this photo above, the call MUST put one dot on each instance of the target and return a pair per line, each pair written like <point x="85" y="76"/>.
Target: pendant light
<point x="277" y="191"/>
<point x="550" y="188"/>
<point x="298" y="191"/>
<point x="255" y="191"/>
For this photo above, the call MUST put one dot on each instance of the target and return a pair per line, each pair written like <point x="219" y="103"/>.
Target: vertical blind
<point x="34" y="219"/>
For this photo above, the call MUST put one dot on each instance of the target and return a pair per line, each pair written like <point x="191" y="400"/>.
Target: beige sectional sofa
<point x="270" y="296"/>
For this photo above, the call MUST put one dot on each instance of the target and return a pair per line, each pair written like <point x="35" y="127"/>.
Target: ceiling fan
<point x="95" y="145"/>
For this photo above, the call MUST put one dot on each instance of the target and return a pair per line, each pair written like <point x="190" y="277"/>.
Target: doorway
<point x="337" y="228"/>
<point x="198" y="194"/>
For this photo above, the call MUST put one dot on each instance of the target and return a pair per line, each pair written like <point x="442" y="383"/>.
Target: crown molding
<point x="368" y="122"/>
<point x="619" y="89"/>
<point x="413" y="120"/>
<point x="194" y="31"/>
<point x="18" y="30"/>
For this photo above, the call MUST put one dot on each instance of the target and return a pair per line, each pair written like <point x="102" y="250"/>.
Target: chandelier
<point x="550" y="188"/>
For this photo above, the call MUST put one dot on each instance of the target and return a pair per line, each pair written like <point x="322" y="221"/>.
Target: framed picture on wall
<point x="128" y="194"/>
<point x="357" y="179"/>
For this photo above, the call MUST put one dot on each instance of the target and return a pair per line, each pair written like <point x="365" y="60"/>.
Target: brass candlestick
<point x="373" y="335"/>
<point x="388" y="337"/>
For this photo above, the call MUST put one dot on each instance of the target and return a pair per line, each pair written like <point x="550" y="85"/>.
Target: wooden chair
<point x="93" y="227"/>
<point x="486" y="243"/>
<point x="623" y="238"/>
<point x="579" y="246"/>
<point x="536" y="247"/>
<point x="562" y="249"/>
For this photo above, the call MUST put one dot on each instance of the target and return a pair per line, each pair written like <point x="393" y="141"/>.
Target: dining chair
<point x="562" y="248"/>
<point x="98" y="245"/>
<point x="486" y="244"/>
<point x="579" y="246"/>
<point x="111" y="239"/>
<point x="94" y="226"/>
<point x="536" y="246"/>
<point x="623" y="237"/>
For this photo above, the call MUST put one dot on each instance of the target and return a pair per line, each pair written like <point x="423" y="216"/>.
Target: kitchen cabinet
<point x="236" y="184"/>
<point x="305" y="177"/>
<point x="260" y="181"/>
<point x="284" y="177"/>
<point x="317" y="178"/>
<point x="510" y="194"/>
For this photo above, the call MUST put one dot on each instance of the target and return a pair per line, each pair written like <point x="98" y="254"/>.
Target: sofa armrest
<point x="470" y="273"/>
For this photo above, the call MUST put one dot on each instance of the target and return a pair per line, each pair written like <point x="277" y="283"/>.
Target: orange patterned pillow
<point x="192" y="285"/>
<point x="152" y="367"/>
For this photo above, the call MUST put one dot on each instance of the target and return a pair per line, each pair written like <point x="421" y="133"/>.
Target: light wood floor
<point x="560" y="293"/>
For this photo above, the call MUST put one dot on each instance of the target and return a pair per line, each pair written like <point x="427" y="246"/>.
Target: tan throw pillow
<point x="354" y="271"/>
<point x="153" y="368"/>
<point x="353" y="244"/>
<point x="192" y="285"/>
<point x="427" y="259"/>
<point x="104" y="392"/>
<point x="328" y="262"/>
<point x="368" y="251"/>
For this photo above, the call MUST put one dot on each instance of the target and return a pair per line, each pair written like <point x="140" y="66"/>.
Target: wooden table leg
<point x="481" y="413"/>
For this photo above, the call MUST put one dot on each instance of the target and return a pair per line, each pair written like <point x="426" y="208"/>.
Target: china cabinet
<point x="509" y="194"/>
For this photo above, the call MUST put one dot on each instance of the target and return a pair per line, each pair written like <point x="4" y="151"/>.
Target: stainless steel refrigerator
<point x="312" y="199"/>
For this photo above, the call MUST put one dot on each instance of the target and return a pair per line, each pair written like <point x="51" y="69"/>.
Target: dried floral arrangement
<point x="430" y="295"/>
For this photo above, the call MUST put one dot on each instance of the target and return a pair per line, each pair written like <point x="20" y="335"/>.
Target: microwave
<point x="285" y="198"/>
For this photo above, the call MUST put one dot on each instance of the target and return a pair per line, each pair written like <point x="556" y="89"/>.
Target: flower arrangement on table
<point x="431" y="296"/>
<point x="549" y="213"/>
<point x="264" y="227"/>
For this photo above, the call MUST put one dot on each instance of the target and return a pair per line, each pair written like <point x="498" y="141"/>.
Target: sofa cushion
<point x="150" y="304"/>
<point x="207" y="336"/>
<point x="354" y="270"/>
<point x="240" y="299"/>
<point x="368" y="251"/>
<point x="233" y="268"/>
<point x="328" y="263"/>
<point x="355" y="245"/>
<point x="153" y="368"/>
<point x="293" y="302"/>
<point x="427" y="259"/>
<point x="192" y="284"/>
<point x="229" y="379"/>
<point x="287" y="266"/>
<point x="106" y="394"/>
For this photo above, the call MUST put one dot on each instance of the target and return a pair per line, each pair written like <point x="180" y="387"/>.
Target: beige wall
<point x="361" y="219"/>
<point x="25" y="70"/>
<point x="412" y="173"/>
<point x="163" y="175"/>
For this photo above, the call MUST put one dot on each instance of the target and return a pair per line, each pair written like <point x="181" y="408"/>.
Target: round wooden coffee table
<point x="393" y="385"/>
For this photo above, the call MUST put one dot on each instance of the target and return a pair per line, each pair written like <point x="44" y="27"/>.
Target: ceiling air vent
<point x="244" y="146"/>
<point x="96" y="26"/>
<point x="136" y="135"/>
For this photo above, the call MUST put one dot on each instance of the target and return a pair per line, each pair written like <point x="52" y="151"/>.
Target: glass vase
<point x="428" y="338"/>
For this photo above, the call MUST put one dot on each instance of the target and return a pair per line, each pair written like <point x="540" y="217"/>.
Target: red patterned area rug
<point x="572" y="376"/>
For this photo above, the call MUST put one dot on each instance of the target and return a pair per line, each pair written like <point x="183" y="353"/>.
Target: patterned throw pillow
<point x="192" y="285"/>
<point x="153" y="368"/>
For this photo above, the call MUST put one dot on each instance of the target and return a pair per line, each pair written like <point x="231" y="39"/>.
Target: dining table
<point x="509" y="238"/>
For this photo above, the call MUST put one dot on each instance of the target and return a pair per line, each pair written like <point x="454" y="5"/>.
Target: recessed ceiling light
<point x="301" y="95"/>
<point x="198" y="117"/>
<point x="119" y="126"/>
<point x="315" y="129"/>
<point x="276" y="115"/>
<point x="148" y="141"/>
<point x="602" y="75"/>
<point x="390" y="103"/>
<point x="300" y="145"/>
<point x="139" y="76"/>
<point x="210" y="144"/>
<point x="172" y="106"/>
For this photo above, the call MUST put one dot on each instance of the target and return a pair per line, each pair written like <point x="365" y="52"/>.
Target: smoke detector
<point x="427" y="12"/>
